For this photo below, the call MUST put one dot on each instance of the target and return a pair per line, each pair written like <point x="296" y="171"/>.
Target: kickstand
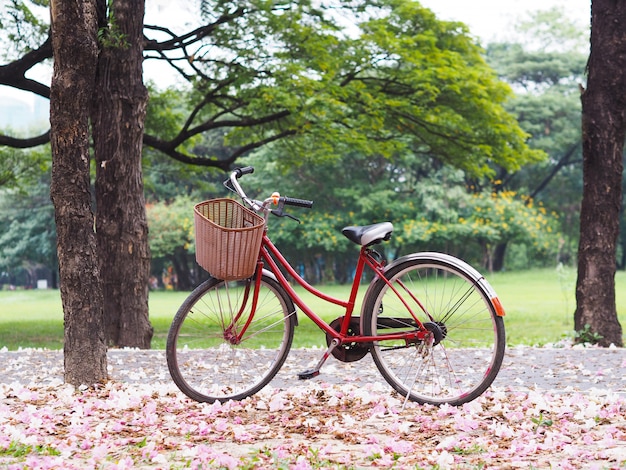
<point x="309" y="374"/>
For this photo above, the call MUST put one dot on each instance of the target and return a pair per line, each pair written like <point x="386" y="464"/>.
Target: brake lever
<point x="280" y="213"/>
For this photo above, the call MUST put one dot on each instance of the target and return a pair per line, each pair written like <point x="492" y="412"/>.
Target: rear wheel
<point x="468" y="336"/>
<point x="217" y="351"/>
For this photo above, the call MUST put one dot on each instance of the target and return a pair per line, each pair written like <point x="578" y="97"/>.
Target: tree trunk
<point x="118" y="125"/>
<point x="74" y="32"/>
<point x="181" y="268"/>
<point x="603" y="130"/>
<point x="498" y="257"/>
<point x="622" y="262"/>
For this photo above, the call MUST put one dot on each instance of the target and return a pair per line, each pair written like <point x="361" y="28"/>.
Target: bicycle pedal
<point x="308" y="374"/>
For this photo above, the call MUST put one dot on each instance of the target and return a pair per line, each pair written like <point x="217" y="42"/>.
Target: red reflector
<point x="498" y="306"/>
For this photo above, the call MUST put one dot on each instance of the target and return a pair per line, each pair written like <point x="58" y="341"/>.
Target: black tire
<point x="470" y="334"/>
<point x="204" y="359"/>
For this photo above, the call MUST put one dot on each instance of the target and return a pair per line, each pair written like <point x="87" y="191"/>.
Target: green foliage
<point x="587" y="335"/>
<point x="171" y="239"/>
<point x="21" y="168"/>
<point x="446" y="97"/>
<point x="110" y="36"/>
<point x="27" y="230"/>
<point x="541" y="422"/>
<point x="544" y="62"/>
<point x="381" y="94"/>
<point x="395" y="80"/>
<point x="552" y="30"/>
<point x="17" y="449"/>
<point x="171" y="227"/>
<point x="167" y="110"/>
<point x="483" y="220"/>
<point x="23" y="26"/>
<point x="431" y="211"/>
<point x="164" y="177"/>
<point x="536" y="70"/>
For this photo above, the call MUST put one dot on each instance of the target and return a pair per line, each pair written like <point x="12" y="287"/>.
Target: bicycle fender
<point x="270" y="274"/>
<point x="472" y="273"/>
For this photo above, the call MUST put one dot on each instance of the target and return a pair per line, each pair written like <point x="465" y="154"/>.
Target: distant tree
<point x="604" y="130"/>
<point x="27" y="230"/>
<point x="544" y="60"/>
<point x="429" y="203"/>
<point x="172" y="239"/>
<point x="21" y="168"/>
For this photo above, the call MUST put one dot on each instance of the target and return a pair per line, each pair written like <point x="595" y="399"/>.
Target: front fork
<point x="232" y="333"/>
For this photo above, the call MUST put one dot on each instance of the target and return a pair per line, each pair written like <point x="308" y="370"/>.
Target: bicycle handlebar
<point x="234" y="185"/>
<point x="291" y="201"/>
<point x="246" y="170"/>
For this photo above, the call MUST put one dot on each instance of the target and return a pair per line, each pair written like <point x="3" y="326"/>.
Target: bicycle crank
<point x="348" y="351"/>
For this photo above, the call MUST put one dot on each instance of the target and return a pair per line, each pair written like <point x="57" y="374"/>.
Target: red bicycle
<point x="431" y="322"/>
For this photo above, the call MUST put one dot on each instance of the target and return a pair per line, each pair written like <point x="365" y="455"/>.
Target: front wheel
<point x="468" y="335"/>
<point x="220" y="348"/>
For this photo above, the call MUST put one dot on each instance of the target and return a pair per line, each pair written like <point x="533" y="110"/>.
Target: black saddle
<point x="367" y="235"/>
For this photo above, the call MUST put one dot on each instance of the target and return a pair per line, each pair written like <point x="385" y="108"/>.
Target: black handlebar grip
<point x="246" y="170"/>
<point x="290" y="201"/>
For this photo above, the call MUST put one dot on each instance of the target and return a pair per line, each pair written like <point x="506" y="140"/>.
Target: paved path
<point x="554" y="369"/>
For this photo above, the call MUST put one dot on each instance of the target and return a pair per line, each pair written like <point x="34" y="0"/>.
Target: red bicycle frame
<point x="270" y="255"/>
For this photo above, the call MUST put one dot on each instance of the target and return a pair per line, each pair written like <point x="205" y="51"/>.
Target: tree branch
<point x="186" y="134"/>
<point x="24" y="143"/>
<point x="563" y="161"/>
<point x="168" y="149"/>
<point x="14" y="73"/>
<point x="189" y="38"/>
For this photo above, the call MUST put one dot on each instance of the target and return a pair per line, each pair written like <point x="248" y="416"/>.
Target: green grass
<point x="540" y="304"/>
<point x="539" y="308"/>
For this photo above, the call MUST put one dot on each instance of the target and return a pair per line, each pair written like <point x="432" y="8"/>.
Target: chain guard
<point x="348" y="352"/>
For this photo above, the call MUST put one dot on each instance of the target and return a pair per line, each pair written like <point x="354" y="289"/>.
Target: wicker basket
<point x="228" y="238"/>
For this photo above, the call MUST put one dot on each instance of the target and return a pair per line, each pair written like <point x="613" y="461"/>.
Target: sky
<point x="490" y="20"/>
